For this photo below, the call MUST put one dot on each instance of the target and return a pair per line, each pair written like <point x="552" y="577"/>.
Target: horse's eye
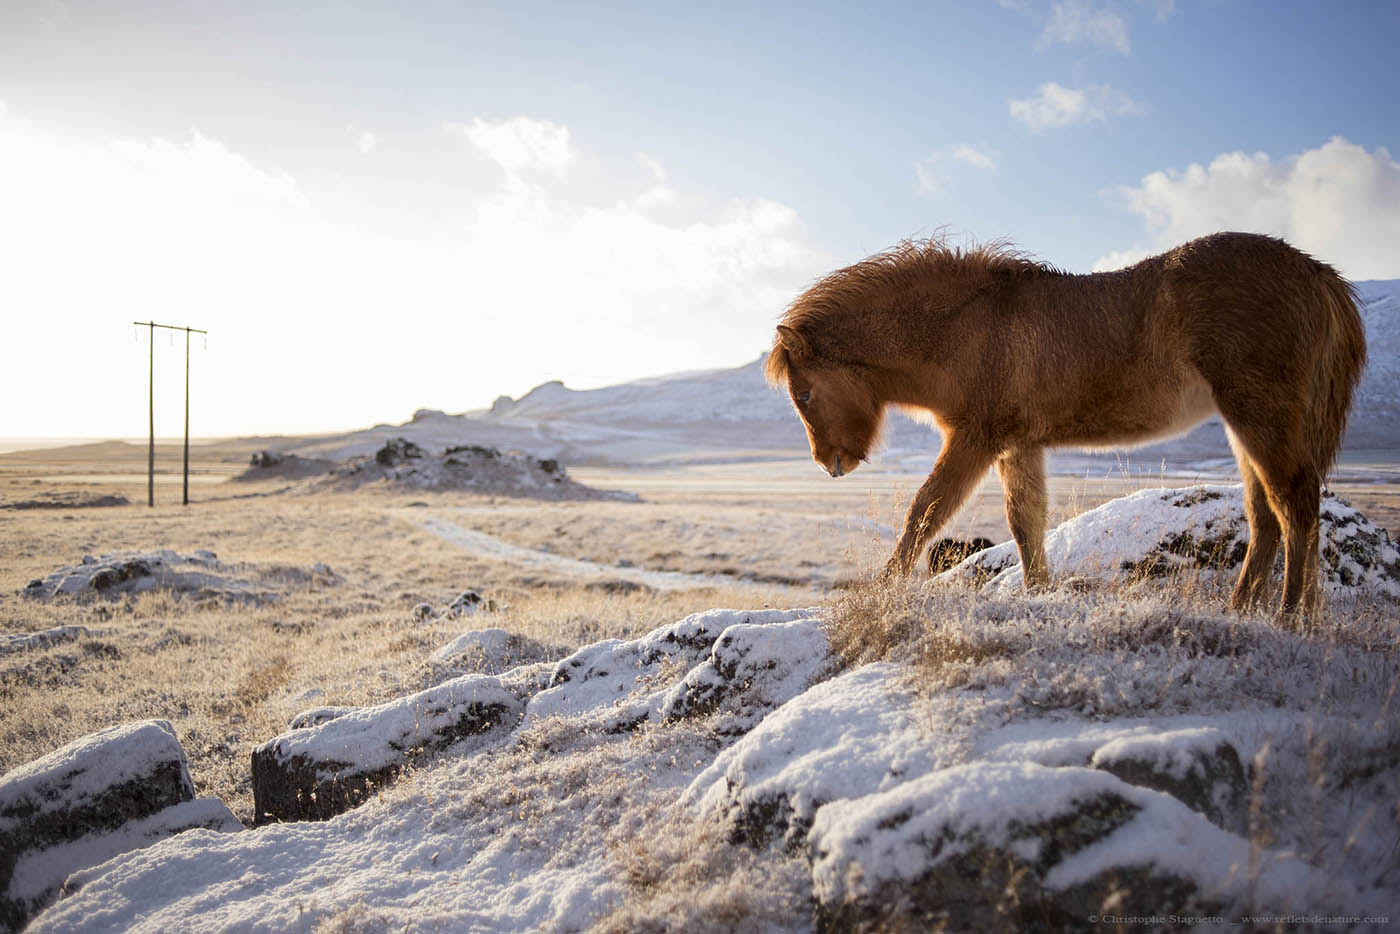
<point x="804" y="398"/>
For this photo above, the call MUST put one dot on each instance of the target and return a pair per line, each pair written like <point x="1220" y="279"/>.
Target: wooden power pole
<point x="151" y="402"/>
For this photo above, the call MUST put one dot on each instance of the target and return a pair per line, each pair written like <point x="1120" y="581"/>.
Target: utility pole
<point x="151" y="400"/>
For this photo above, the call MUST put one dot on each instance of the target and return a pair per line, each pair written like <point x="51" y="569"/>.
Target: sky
<point x="376" y="207"/>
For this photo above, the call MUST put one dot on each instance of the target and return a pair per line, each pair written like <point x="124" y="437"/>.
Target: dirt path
<point x="488" y="546"/>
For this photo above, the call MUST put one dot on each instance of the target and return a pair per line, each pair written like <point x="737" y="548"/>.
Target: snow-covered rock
<point x="318" y="771"/>
<point x="624" y="683"/>
<point x="112" y="791"/>
<point x="1199" y="767"/>
<point x="1003" y="846"/>
<point x="401" y="464"/>
<point x="1201" y="530"/>
<point x="752" y="669"/>
<point x="845" y="737"/>
<point x="199" y="576"/>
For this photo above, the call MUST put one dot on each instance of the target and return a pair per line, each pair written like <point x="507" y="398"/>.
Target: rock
<point x="317" y="716"/>
<point x="845" y="737"/>
<point x="948" y="552"/>
<point x="116" y="575"/>
<point x="397" y="450"/>
<point x="319" y="771"/>
<point x="467" y="603"/>
<point x="1201" y="531"/>
<point x="626" y="682"/>
<point x="487" y="651"/>
<point x="423" y="612"/>
<point x="752" y="669"/>
<point x="267" y="465"/>
<point x="1019" y="846"/>
<point x="112" y="791"/>
<point x="1199" y="767"/>
<point x="28" y="641"/>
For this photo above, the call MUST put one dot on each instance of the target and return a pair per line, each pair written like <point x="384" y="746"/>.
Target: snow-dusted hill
<point x="714" y="414"/>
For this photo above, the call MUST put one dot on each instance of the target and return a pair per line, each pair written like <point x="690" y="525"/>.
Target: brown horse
<point x="1010" y="357"/>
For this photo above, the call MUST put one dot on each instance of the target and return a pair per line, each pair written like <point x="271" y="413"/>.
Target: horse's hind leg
<point x="1302" y="501"/>
<point x="1022" y="472"/>
<point x="960" y="466"/>
<point x="1264" y="533"/>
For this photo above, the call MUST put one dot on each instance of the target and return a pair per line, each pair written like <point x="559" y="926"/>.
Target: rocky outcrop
<point x="1200" y="531"/>
<point x="402" y="465"/>
<point x="115" y="790"/>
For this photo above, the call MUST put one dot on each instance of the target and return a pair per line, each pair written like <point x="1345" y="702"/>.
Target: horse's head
<point x="834" y="399"/>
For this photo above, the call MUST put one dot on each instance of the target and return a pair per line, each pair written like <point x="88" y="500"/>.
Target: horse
<point x="1008" y="357"/>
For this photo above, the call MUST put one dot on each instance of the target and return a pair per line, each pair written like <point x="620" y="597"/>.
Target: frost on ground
<point x="402" y="465"/>
<point x="907" y="756"/>
<point x="198" y="576"/>
<point x="1200" y="531"/>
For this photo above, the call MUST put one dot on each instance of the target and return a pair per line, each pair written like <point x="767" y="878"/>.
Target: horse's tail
<point x="1343" y="359"/>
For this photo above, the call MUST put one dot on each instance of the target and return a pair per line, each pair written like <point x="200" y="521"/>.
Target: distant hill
<point x="731" y="414"/>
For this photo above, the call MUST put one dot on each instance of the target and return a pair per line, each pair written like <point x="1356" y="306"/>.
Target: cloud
<point x="519" y="144"/>
<point x="932" y="171"/>
<point x="1339" y="202"/>
<point x="1056" y="106"/>
<point x="365" y="141"/>
<point x="316" y="321"/>
<point x="1074" y="21"/>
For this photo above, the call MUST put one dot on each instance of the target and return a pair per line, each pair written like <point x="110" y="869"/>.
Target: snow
<point x="846" y="736"/>
<point x="879" y="774"/>
<point x="38" y="872"/>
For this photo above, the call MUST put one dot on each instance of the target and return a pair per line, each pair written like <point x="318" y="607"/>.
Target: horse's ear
<point x="795" y="343"/>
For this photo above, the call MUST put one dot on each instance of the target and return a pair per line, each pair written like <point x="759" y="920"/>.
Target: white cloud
<point x="365" y="141"/>
<point x="519" y="144"/>
<point x="1074" y="21"/>
<point x="1339" y="202"/>
<point x="932" y="171"/>
<point x="1056" y="106"/>
<point x="1162" y="9"/>
<point x="318" y="323"/>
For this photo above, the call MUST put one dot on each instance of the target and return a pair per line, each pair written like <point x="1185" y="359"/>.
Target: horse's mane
<point x="909" y="271"/>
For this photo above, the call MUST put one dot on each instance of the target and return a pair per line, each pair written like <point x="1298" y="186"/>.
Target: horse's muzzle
<point x="835" y="468"/>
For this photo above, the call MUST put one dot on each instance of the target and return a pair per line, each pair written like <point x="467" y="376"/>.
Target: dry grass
<point x="230" y="676"/>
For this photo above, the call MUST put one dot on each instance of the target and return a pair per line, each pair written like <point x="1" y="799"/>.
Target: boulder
<point x="624" y="684"/>
<point x="1198" y="767"/>
<point x="948" y="552"/>
<point x="843" y="738"/>
<point x="115" y="790"/>
<point x="323" y="769"/>
<point x="1201" y="531"/>
<point x="752" y="669"/>
<point x="1019" y="846"/>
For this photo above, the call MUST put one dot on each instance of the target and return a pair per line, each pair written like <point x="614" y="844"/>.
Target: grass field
<point x="231" y="675"/>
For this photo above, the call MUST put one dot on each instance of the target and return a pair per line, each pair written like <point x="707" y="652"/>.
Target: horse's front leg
<point x="1022" y="472"/>
<point x="959" y="468"/>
